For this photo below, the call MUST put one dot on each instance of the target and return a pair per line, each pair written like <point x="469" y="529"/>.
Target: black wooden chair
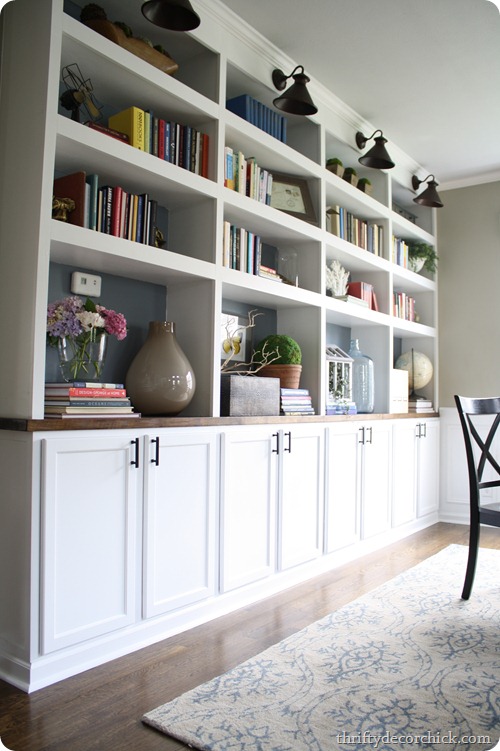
<point x="479" y="447"/>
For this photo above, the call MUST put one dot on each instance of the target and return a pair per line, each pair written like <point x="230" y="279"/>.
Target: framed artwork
<point x="234" y="338"/>
<point x="291" y="195"/>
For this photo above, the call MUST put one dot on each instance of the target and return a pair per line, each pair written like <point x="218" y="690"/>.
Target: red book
<point x="161" y="139"/>
<point x="72" y="391"/>
<point x="363" y="290"/>
<point x="116" y="211"/>
<point x="108" y="131"/>
<point x="73" y="186"/>
<point x="204" y="155"/>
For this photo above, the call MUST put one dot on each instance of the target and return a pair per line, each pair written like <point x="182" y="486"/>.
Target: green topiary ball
<point x="288" y="349"/>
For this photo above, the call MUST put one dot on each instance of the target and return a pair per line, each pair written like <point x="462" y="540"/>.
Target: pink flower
<point x="114" y="323"/>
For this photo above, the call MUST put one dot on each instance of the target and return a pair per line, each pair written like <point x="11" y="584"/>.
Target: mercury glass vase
<point x="82" y="358"/>
<point x="160" y="380"/>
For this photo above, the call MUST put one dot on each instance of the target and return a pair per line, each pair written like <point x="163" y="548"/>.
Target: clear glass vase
<point x="363" y="391"/>
<point x="82" y="358"/>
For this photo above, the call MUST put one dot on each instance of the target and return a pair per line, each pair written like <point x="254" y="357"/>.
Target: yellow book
<point x="131" y="122"/>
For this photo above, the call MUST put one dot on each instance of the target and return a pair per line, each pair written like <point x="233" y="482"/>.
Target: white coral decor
<point x="337" y="279"/>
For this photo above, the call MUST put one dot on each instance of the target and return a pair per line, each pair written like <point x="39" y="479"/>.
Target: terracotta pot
<point x="289" y="375"/>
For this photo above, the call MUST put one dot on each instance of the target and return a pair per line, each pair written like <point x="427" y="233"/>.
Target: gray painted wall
<point x="469" y="292"/>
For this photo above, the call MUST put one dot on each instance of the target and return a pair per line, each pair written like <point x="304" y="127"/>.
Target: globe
<point x="419" y="369"/>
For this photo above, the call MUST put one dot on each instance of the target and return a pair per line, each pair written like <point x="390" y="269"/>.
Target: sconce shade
<point x="176" y="15"/>
<point x="377" y="157"/>
<point x="429" y="197"/>
<point x="296" y="100"/>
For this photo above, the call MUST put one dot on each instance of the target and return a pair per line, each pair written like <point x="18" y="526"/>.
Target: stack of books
<point x="341" y="407"/>
<point x="296" y="402"/>
<point x="419" y="404"/>
<point x="87" y="399"/>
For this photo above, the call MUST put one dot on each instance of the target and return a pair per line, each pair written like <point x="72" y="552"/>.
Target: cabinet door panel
<point x="248" y="514"/>
<point x="301" y="502"/>
<point x="428" y="469"/>
<point x="343" y="481"/>
<point x="180" y="509"/>
<point x="89" y="538"/>
<point x="377" y="468"/>
<point x="404" y="472"/>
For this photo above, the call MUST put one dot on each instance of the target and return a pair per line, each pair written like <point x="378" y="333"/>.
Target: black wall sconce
<point x="176" y="15"/>
<point x="377" y="157"/>
<point x="430" y="196"/>
<point x="296" y="100"/>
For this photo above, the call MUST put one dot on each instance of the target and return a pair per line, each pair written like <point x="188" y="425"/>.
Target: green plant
<point x="364" y="181"/>
<point x="334" y="160"/>
<point x="425" y="251"/>
<point x="350" y="171"/>
<point x="287" y="349"/>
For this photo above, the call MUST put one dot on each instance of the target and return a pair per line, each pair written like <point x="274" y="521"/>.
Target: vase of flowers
<point x="80" y="332"/>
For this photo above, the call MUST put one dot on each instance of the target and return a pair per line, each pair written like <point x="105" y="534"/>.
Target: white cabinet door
<point x="342" y="486"/>
<point x="89" y="536"/>
<point x="404" y="471"/>
<point x="376" y="477"/>
<point x="248" y="506"/>
<point x="180" y="507"/>
<point x="428" y="467"/>
<point x="301" y="507"/>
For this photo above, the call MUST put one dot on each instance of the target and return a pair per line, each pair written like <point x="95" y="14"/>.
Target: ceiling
<point x="427" y="72"/>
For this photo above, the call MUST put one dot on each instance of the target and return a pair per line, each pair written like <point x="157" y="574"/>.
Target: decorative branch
<point x="232" y="338"/>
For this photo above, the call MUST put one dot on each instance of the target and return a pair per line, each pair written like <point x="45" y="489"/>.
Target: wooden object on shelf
<point x="289" y="375"/>
<point x="247" y="396"/>
<point x="135" y="46"/>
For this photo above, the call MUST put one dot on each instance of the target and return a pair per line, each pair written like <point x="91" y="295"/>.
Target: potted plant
<point x="365" y="185"/>
<point x="351" y="176"/>
<point x="335" y="165"/>
<point x="287" y="360"/>
<point x="422" y="255"/>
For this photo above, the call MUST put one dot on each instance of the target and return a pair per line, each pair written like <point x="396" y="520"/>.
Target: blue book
<point x="241" y="106"/>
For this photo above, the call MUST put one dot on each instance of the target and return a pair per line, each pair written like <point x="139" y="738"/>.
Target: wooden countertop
<point x="141" y="423"/>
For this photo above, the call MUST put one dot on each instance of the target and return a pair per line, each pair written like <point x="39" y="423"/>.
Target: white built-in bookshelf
<point x="221" y="59"/>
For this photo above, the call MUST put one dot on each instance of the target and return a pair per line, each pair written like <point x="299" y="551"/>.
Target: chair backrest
<point x="478" y="447"/>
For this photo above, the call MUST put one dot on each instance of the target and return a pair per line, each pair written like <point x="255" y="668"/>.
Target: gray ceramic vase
<point x="160" y="380"/>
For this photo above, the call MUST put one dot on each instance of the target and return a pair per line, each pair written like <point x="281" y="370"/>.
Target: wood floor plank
<point x="101" y="709"/>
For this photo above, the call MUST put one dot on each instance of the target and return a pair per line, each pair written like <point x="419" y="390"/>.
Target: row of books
<point x="400" y="252"/>
<point x="87" y="399"/>
<point x="111" y="209"/>
<point x="171" y="141"/>
<point x="364" y="291"/>
<point x="296" y="402"/>
<point x="259" y="114"/>
<point x="246" y="177"/>
<point x="404" y="306"/>
<point x="243" y="250"/>
<point x="361" y="232"/>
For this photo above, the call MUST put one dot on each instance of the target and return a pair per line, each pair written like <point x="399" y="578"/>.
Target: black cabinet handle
<point x="277" y="449"/>
<point x="135" y="462"/>
<point x="156" y="460"/>
<point x="362" y="438"/>
<point x="289" y="449"/>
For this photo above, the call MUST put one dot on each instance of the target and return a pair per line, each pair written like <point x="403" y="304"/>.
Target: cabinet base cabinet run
<point x="121" y="538"/>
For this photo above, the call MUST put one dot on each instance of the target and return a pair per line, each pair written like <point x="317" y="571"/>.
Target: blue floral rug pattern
<point x="409" y="665"/>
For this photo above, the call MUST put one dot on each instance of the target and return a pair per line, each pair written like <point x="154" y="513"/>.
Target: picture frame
<point x="291" y="195"/>
<point x="232" y="324"/>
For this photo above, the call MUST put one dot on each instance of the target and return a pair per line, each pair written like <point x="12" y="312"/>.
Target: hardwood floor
<point x="101" y="709"/>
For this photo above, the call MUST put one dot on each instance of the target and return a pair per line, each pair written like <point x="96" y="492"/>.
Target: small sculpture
<point x="337" y="279"/>
<point x="61" y="208"/>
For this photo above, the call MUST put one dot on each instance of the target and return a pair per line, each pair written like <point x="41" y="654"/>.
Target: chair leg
<point x="471" y="561"/>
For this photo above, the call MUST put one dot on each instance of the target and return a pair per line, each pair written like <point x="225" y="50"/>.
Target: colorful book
<point x="131" y="122"/>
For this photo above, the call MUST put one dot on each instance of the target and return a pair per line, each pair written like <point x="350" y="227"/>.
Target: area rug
<point x="407" y="665"/>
